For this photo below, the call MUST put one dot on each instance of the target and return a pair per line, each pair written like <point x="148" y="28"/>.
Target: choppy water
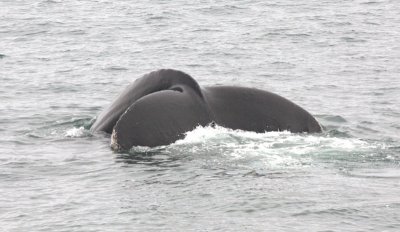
<point x="62" y="62"/>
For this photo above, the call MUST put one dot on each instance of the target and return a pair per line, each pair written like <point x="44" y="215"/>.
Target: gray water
<point x="62" y="62"/>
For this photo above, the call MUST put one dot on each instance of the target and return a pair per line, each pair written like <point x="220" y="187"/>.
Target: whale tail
<point x="163" y="79"/>
<point x="160" y="118"/>
<point x="160" y="107"/>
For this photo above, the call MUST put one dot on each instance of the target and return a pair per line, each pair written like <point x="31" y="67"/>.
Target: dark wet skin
<point x="158" y="108"/>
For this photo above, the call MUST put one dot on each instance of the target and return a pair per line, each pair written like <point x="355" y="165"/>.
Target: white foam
<point x="75" y="132"/>
<point x="204" y="134"/>
<point x="269" y="149"/>
<point x="268" y="140"/>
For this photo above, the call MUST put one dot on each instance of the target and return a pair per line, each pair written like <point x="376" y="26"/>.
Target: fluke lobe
<point x="160" y="107"/>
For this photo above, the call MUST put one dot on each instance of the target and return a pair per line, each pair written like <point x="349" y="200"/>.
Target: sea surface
<point x="63" y="62"/>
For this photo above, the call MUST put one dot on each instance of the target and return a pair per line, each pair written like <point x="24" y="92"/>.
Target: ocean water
<point x="62" y="62"/>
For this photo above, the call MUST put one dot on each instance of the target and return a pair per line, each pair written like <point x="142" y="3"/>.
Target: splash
<point x="280" y="149"/>
<point x="75" y="132"/>
<point x="232" y="149"/>
<point x="298" y="143"/>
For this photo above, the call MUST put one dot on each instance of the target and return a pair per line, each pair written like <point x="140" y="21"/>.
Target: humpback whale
<point x="161" y="106"/>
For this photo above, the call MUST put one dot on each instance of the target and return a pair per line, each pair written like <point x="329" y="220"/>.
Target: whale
<point x="160" y="107"/>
